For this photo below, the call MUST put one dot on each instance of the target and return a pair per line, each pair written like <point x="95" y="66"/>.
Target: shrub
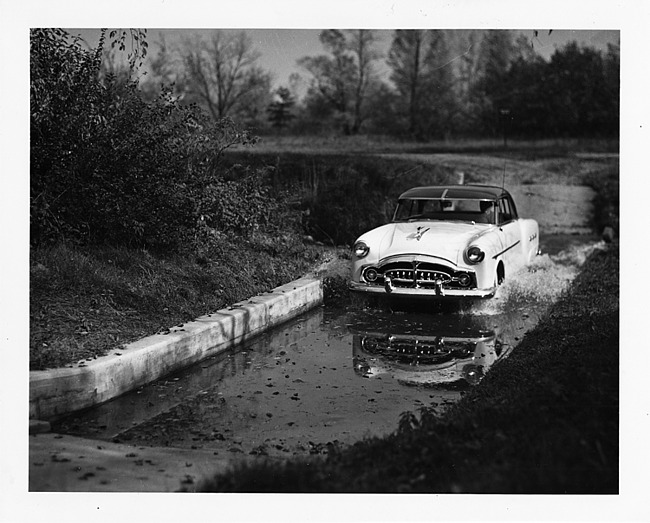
<point x="110" y="168"/>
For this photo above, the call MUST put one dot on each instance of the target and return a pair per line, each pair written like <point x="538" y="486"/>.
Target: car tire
<point x="500" y="275"/>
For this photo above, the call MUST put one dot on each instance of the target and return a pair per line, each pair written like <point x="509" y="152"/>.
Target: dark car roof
<point x="473" y="192"/>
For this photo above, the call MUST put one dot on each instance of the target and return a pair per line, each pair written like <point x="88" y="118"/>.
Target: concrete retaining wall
<point x="53" y="393"/>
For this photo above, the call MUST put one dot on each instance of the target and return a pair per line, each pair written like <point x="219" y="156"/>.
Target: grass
<point x="85" y="302"/>
<point x="377" y="144"/>
<point x="543" y="421"/>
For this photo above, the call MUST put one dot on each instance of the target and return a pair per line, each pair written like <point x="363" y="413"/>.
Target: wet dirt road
<point x="332" y="377"/>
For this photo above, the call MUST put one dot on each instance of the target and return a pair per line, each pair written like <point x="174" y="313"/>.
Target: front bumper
<point x="411" y="292"/>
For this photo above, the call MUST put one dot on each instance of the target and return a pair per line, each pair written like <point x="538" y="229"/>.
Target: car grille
<point x="416" y="350"/>
<point x="421" y="275"/>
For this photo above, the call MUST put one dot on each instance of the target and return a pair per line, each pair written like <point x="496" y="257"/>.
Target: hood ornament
<point x="417" y="235"/>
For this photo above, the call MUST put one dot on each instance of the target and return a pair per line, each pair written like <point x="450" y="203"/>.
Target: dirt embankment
<point x="559" y="209"/>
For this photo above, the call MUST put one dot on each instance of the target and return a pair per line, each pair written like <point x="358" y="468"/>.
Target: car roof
<point x="473" y="192"/>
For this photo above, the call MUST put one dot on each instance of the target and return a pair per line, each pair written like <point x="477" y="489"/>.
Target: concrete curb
<point x="53" y="393"/>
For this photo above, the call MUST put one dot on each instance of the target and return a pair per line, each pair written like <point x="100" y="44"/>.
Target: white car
<point x="445" y="242"/>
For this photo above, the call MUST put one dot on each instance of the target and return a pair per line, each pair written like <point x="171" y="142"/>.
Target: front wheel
<point x="501" y="275"/>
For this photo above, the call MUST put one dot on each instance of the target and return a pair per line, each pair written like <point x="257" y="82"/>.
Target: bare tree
<point x="440" y="89"/>
<point x="406" y="58"/>
<point x="221" y="73"/>
<point x="361" y="44"/>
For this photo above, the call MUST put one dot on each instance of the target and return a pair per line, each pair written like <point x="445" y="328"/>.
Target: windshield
<point x="477" y="211"/>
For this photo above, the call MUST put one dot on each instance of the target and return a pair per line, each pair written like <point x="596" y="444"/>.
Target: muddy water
<point x="332" y="377"/>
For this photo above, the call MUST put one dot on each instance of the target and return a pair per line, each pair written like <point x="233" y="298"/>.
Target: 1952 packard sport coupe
<point x="445" y="242"/>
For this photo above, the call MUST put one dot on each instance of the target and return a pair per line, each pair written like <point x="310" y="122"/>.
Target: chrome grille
<point x="416" y="351"/>
<point x="417" y="274"/>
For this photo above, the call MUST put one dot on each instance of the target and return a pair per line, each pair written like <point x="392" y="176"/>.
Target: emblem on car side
<point x="418" y="233"/>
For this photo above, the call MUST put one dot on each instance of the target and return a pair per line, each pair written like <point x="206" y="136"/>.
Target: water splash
<point x="542" y="282"/>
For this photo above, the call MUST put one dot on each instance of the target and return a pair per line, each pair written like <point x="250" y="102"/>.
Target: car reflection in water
<point x="440" y="360"/>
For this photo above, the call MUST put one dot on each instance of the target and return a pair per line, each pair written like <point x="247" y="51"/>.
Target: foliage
<point x="446" y="84"/>
<point x="405" y="58"/>
<point x="490" y="91"/>
<point x="139" y="45"/>
<point x="109" y="167"/>
<point x="576" y="93"/>
<point x="342" y="79"/>
<point x="279" y="111"/>
<point x="518" y="93"/>
<point x="352" y="202"/>
<point x="442" y="84"/>
<point x="422" y="72"/>
<point x="343" y="196"/>
<point x="163" y="72"/>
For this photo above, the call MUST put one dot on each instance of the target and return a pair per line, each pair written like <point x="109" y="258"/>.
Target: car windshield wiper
<point x="419" y="217"/>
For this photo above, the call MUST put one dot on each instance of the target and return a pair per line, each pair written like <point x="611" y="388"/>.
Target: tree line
<point x="440" y="84"/>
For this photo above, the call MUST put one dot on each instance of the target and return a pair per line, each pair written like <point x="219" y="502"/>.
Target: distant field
<point x="379" y="144"/>
<point x="563" y="161"/>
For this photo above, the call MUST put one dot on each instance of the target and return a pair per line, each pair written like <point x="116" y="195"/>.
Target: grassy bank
<point x="85" y="302"/>
<point x="543" y="421"/>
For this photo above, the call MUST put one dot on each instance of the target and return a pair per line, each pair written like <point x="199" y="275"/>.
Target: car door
<point x="509" y="232"/>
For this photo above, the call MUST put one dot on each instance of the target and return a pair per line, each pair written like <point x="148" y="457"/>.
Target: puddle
<point x="332" y="377"/>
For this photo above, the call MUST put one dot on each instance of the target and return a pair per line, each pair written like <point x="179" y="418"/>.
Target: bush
<point x="347" y="206"/>
<point x="111" y="168"/>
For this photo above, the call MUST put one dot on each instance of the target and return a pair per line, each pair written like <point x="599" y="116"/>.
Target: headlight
<point x="371" y="274"/>
<point x="473" y="373"/>
<point x="361" y="250"/>
<point x="475" y="255"/>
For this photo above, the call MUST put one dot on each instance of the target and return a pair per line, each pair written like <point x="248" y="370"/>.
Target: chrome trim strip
<point x="506" y="250"/>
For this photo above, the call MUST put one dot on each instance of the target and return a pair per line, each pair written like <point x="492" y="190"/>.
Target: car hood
<point x="446" y="240"/>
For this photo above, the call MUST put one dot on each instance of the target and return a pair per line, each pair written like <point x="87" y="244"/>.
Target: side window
<point x="505" y="212"/>
<point x="513" y="209"/>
